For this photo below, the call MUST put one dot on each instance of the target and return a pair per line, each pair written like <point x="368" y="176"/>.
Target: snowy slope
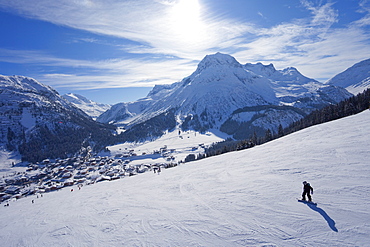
<point x="90" y="107"/>
<point x="244" y="198"/>
<point x="355" y="79"/>
<point x="6" y="161"/>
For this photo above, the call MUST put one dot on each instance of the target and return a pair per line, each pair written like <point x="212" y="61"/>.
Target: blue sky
<point x="116" y="50"/>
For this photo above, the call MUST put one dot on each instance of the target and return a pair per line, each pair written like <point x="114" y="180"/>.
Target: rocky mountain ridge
<point x="224" y="94"/>
<point x="91" y="108"/>
<point x="38" y="123"/>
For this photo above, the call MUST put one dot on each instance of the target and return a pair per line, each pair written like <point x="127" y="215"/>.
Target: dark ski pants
<point x="308" y="195"/>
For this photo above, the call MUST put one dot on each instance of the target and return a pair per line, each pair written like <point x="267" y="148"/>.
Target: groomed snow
<point x="245" y="198"/>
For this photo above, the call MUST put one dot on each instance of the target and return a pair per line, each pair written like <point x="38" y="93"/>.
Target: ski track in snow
<point x="244" y="198"/>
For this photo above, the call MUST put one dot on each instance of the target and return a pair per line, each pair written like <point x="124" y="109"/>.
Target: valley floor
<point x="245" y="198"/>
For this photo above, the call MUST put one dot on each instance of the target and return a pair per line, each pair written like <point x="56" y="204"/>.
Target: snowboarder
<point x="307" y="189"/>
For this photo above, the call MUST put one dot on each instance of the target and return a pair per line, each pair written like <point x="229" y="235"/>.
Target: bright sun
<point x="186" y="21"/>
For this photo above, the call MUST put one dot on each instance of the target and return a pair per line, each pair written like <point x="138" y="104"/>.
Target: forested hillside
<point x="350" y="106"/>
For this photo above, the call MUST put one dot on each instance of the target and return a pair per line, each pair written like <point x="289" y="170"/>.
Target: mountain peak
<point x="355" y="79"/>
<point x="74" y="98"/>
<point x="218" y="59"/>
<point x="261" y="69"/>
<point x="291" y="71"/>
<point x="222" y="94"/>
<point x="90" y="107"/>
<point x="25" y="83"/>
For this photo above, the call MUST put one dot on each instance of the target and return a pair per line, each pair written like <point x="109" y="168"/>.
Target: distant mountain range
<point x="223" y="94"/>
<point x="90" y="107"/>
<point x="220" y="95"/>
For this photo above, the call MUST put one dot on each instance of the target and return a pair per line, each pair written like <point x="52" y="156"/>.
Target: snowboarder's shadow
<point x="330" y="221"/>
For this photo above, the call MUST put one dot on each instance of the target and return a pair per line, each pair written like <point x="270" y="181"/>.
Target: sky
<point x="115" y="51"/>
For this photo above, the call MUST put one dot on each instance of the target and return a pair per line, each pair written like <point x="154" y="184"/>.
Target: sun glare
<point x="186" y="21"/>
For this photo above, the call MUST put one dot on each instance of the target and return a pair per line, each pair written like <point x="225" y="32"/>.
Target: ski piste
<point x="307" y="202"/>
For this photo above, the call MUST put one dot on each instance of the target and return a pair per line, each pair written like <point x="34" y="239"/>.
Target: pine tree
<point x="280" y="131"/>
<point x="268" y="135"/>
<point x="254" y="138"/>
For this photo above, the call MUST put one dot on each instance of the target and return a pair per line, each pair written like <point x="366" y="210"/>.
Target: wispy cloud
<point x="171" y="52"/>
<point x="103" y="73"/>
<point x="365" y="9"/>
<point x="146" y="21"/>
<point x="322" y="15"/>
<point x="39" y="57"/>
<point x="311" y="44"/>
<point x="260" y="14"/>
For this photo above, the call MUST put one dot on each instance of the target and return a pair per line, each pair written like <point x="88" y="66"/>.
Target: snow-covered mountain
<point x="38" y="122"/>
<point x="91" y="108"/>
<point x="244" y="198"/>
<point x="355" y="79"/>
<point x="224" y="94"/>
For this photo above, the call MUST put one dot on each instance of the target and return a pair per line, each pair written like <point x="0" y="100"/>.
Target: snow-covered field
<point x="245" y="198"/>
<point x="7" y="159"/>
<point x="185" y="143"/>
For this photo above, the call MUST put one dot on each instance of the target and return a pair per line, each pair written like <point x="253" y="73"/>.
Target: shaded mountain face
<point x="226" y="95"/>
<point x="91" y="108"/>
<point x="355" y="79"/>
<point x="39" y="123"/>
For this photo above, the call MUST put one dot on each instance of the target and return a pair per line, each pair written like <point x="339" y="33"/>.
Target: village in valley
<point x="52" y="175"/>
<point x="115" y="162"/>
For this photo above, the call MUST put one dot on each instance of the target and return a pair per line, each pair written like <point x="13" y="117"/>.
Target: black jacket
<point x="307" y="188"/>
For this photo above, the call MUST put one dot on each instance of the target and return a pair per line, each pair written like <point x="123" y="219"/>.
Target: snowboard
<point x="307" y="202"/>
